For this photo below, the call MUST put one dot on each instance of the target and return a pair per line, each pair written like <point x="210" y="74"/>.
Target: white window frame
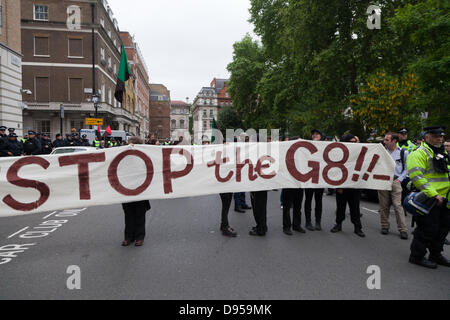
<point x="102" y="53"/>
<point x="110" y="96"/>
<point x="34" y="12"/>
<point x="102" y="22"/>
<point x="103" y="93"/>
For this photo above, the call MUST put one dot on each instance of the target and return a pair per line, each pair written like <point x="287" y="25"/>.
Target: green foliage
<point x="318" y="55"/>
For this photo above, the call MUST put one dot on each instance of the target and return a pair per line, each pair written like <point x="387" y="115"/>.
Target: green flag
<point x="213" y="135"/>
<point x="122" y="77"/>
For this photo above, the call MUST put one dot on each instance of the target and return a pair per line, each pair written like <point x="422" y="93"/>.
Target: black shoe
<point x="309" y="227"/>
<point x="337" y="228"/>
<point x="404" y="235"/>
<point x="246" y="207"/>
<point x="288" y="232"/>
<point x="423" y="263"/>
<point x="256" y="233"/>
<point x="299" y="229"/>
<point x="318" y="226"/>
<point x="360" y="233"/>
<point x="440" y="260"/>
<point x="239" y="210"/>
<point x="384" y="231"/>
<point x="229" y="232"/>
<point x="447" y="243"/>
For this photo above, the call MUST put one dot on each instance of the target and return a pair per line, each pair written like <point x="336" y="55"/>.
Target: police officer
<point x="96" y="143"/>
<point x="47" y="146"/>
<point x="69" y="141"/>
<point x="316" y="135"/>
<point x="76" y="139"/>
<point x="14" y="148"/>
<point x="59" y="141"/>
<point x="85" y="141"/>
<point x="429" y="171"/>
<point x="32" y="146"/>
<point x="3" y="134"/>
<point x="403" y="142"/>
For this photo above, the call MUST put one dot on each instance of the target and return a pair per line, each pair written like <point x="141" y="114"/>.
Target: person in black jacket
<point x="316" y="135"/>
<point x="135" y="215"/>
<point x="352" y="198"/>
<point x="59" y="141"/>
<point x="32" y="146"/>
<point x="69" y="141"/>
<point x="14" y="148"/>
<point x="3" y="133"/>
<point x="85" y="141"/>
<point x="47" y="146"/>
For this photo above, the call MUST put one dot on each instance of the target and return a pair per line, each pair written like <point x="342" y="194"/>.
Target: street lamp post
<point x="95" y="100"/>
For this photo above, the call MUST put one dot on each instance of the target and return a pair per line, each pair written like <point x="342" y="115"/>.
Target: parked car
<point x="65" y="150"/>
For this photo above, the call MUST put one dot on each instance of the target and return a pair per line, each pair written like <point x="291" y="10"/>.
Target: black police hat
<point x="84" y="136"/>
<point x="403" y="130"/>
<point x="31" y="132"/>
<point x="68" y="135"/>
<point x="11" y="129"/>
<point x="45" y="135"/>
<point x="438" y="130"/>
<point x="11" y="135"/>
<point x="2" y="128"/>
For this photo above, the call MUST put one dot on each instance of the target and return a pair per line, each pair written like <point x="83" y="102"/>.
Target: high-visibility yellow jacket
<point x="408" y="147"/>
<point x="422" y="173"/>
<point x="96" y="143"/>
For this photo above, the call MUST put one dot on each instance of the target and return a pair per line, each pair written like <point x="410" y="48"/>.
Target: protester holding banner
<point x="316" y="135"/>
<point x="224" y="225"/>
<point x="135" y="215"/>
<point x="350" y="197"/>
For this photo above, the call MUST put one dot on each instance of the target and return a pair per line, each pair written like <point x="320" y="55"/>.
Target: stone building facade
<point x="11" y="66"/>
<point x="179" y="119"/>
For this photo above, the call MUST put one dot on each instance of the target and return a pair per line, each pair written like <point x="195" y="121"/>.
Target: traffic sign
<point x="94" y="122"/>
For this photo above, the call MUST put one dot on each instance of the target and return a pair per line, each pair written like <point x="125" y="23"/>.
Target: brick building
<point x="160" y="111"/>
<point x="141" y="83"/>
<point x="10" y="66"/>
<point x="58" y="65"/>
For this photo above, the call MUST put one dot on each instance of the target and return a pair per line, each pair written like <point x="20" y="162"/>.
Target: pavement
<point x="186" y="257"/>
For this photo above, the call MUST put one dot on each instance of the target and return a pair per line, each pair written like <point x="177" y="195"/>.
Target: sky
<point x="185" y="43"/>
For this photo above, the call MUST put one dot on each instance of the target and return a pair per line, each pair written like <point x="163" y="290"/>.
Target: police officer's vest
<point x="96" y="143"/>
<point x="408" y="147"/>
<point x="422" y="173"/>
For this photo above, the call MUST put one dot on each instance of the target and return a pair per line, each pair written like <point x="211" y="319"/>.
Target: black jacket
<point x="15" y="147"/>
<point x="59" y="143"/>
<point x="32" y="147"/>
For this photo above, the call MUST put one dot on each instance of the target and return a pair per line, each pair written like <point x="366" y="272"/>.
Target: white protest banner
<point x="133" y="173"/>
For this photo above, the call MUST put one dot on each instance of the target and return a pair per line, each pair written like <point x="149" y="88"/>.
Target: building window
<point x="77" y="124"/>
<point x="110" y="96"/>
<point x="75" y="90"/>
<point x="174" y="124"/>
<point x="103" y="93"/>
<point x="102" y="22"/>
<point x="204" y="113"/>
<point x="204" y="124"/>
<point x="43" y="126"/>
<point x="211" y="113"/>
<point x="41" y="46"/>
<point x="42" y="89"/>
<point x="109" y="33"/>
<point x="40" y="12"/>
<point x="1" y="16"/>
<point x="75" y="48"/>
<point x="109" y="62"/>
<point x="226" y="95"/>
<point x="181" y="124"/>
<point x="115" y="68"/>
<point x="102" y="53"/>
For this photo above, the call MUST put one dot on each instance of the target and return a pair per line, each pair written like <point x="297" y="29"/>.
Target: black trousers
<point x="226" y="203"/>
<point x="352" y="197"/>
<point x="292" y="198"/>
<point x="135" y="223"/>
<point x="239" y="200"/>
<point x="431" y="232"/>
<point x="318" y="195"/>
<point x="259" y="206"/>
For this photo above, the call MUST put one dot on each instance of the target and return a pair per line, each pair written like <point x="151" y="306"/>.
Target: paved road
<point x="185" y="257"/>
